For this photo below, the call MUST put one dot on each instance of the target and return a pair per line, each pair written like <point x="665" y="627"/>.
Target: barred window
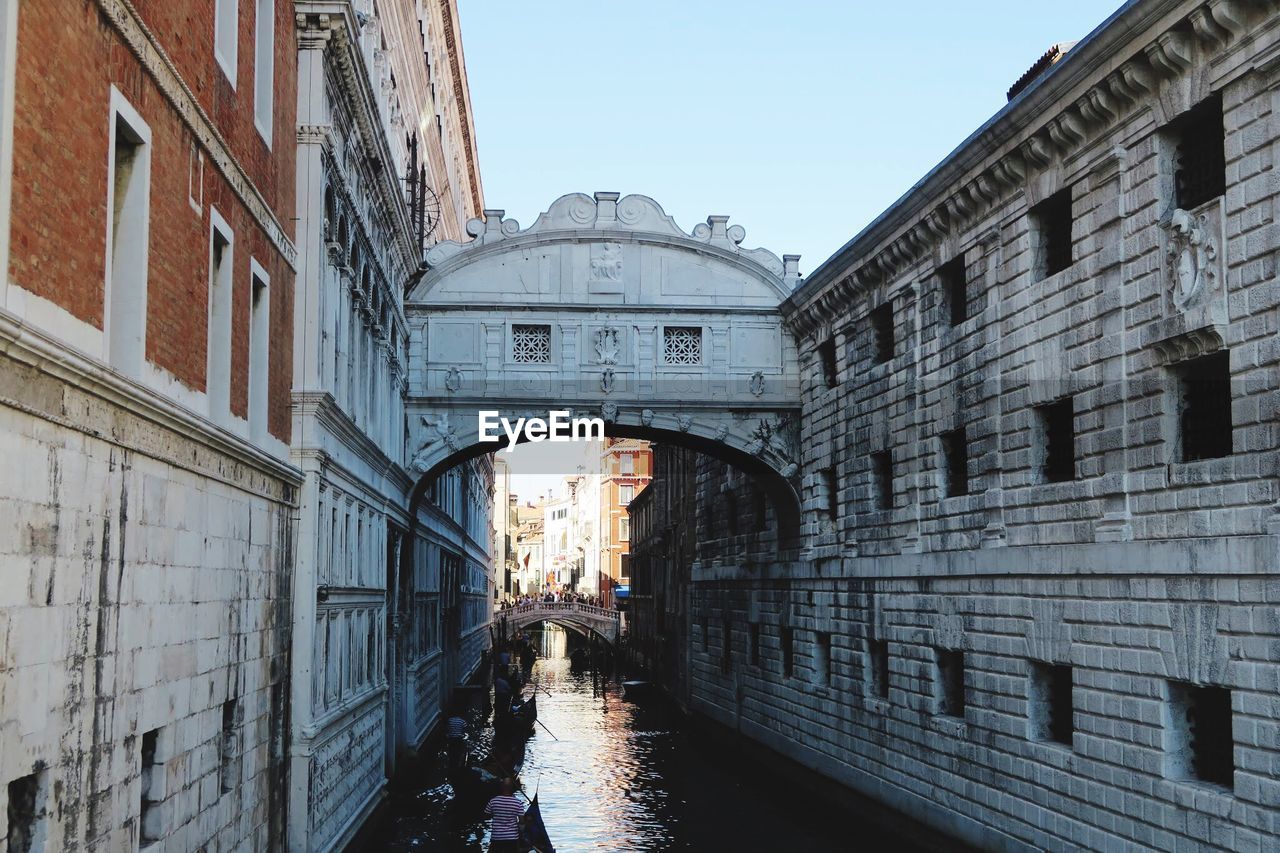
<point x="1199" y="168"/>
<point x="531" y="343"/>
<point x="881" y="320"/>
<point x="1051" y="223"/>
<point x="955" y="457"/>
<point x="682" y="345"/>
<point x="955" y="285"/>
<point x="1204" y="412"/>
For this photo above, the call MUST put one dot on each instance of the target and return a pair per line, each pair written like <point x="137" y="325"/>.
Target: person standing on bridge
<point x="506" y="811"/>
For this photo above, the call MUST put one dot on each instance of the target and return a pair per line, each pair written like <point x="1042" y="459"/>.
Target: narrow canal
<point x="618" y="776"/>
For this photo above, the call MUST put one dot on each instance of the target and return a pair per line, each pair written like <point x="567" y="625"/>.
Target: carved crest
<point x="757" y="383"/>
<point x="1191" y="253"/>
<point x="453" y="380"/>
<point x="607" y="347"/>
<point x="606" y="380"/>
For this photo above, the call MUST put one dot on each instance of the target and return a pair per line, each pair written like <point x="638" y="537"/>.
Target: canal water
<point x="618" y="776"/>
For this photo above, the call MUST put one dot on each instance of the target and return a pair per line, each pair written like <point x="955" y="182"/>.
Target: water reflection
<point x="613" y="775"/>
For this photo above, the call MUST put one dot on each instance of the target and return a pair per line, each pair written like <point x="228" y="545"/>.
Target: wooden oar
<point x="544" y="725"/>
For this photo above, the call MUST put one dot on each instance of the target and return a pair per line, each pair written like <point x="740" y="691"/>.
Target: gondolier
<point x="506" y="811"/>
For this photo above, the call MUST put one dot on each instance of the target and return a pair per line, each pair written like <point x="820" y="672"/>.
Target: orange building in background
<point x="626" y="467"/>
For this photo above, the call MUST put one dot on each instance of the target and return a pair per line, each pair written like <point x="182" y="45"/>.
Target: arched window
<point x="330" y="213"/>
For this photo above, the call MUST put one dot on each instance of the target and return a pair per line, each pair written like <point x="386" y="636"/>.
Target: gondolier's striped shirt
<point x="457" y="728"/>
<point x="506" y="811"/>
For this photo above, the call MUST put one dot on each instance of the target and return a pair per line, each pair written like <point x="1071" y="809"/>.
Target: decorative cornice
<point x="30" y="345"/>
<point x="143" y="44"/>
<point x="1035" y="133"/>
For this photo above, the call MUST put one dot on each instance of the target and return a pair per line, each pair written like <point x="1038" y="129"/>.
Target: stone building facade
<point x="146" y="318"/>
<point x="385" y="591"/>
<point x="1035" y="604"/>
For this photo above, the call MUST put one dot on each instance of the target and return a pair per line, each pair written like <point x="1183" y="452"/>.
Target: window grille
<point x="1199" y="168"/>
<point x="955" y="287"/>
<point x="881" y="320"/>
<point x="878" y="664"/>
<point x="1205" y="407"/>
<point x="1051" y="220"/>
<point x="1051" y="709"/>
<point x="830" y="370"/>
<point x="682" y="345"/>
<point x="1202" y="746"/>
<point x="1057" y="422"/>
<point x="955" y="451"/>
<point x="530" y="343"/>
<point x="882" y="476"/>
<point x="951" y="682"/>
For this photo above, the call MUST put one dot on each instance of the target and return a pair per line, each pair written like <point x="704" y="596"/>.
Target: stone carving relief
<point x="606" y="263"/>
<point x="607" y="380"/>
<point x="438" y="431"/>
<point x="609" y="411"/>
<point x="757" y="383"/>
<point x="1192" y="254"/>
<point x="453" y="380"/>
<point x="607" y="346"/>
<point x="646" y="416"/>
<point x="685" y="423"/>
<point x="775" y="436"/>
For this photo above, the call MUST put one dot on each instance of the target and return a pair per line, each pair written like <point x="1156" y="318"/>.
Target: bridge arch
<point x="583" y="618"/>
<point x="606" y="308"/>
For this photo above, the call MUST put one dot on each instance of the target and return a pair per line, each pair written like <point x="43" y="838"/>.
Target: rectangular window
<point x="1199" y="742"/>
<point x="1050" y="709"/>
<point x="627" y="463"/>
<point x="787" y="638"/>
<point x="264" y="56"/>
<point x="128" y="231"/>
<point x="882" y="479"/>
<point x="226" y="35"/>
<point x="624" y="571"/>
<point x="1051" y="232"/>
<point x="624" y="528"/>
<point x="28" y="814"/>
<point x="1199" y="158"/>
<point x="530" y="343"/>
<point x="881" y="321"/>
<point x="822" y="656"/>
<point x="955" y="456"/>
<point x="682" y="345"/>
<point x="831" y="485"/>
<point x="830" y="369"/>
<point x="753" y="644"/>
<point x="878" y="667"/>
<point x="1057" y="440"/>
<point x="259" y="351"/>
<point x="150" y="791"/>
<point x="950" y="681"/>
<point x="218" y="367"/>
<point x="625" y="494"/>
<point x="1204" y="407"/>
<point x="726" y="646"/>
<point x="229" y="746"/>
<point x="955" y="288"/>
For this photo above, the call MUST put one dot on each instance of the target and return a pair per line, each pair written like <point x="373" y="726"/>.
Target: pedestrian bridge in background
<point x="586" y="618"/>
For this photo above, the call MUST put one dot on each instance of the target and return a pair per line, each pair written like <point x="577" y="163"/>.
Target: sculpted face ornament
<point x="685" y="423"/>
<point x="607" y="347"/>
<point x="609" y="411"/>
<point x="646" y="416"/>
<point x="1191" y="252"/>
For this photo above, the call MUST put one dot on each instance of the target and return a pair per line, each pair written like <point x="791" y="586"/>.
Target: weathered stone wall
<point x="1148" y="574"/>
<point x="149" y="564"/>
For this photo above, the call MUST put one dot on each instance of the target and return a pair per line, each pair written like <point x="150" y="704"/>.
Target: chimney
<point x="1038" y="69"/>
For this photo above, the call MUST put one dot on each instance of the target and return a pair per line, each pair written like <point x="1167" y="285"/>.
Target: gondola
<point x="521" y="720"/>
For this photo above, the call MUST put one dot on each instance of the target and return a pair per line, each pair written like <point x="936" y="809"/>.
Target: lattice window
<point x="682" y="345"/>
<point x="531" y="343"/>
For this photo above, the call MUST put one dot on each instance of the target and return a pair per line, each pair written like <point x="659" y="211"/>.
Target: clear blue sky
<point x="800" y="120"/>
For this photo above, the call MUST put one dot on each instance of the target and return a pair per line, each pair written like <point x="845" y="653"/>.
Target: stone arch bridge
<point x="584" y="618"/>
<point x="607" y="308"/>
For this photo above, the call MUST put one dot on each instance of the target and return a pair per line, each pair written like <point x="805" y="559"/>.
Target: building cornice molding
<point x="144" y="46"/>
<point x="325" y="409"/>
<point x="462" y="97"/>
<point x="1072" y="105"/>
<point x="332" y="26"/>
<point x="31" y="346"/>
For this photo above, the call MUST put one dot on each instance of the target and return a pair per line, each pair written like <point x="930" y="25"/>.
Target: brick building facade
<point x="146" y="316"/>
